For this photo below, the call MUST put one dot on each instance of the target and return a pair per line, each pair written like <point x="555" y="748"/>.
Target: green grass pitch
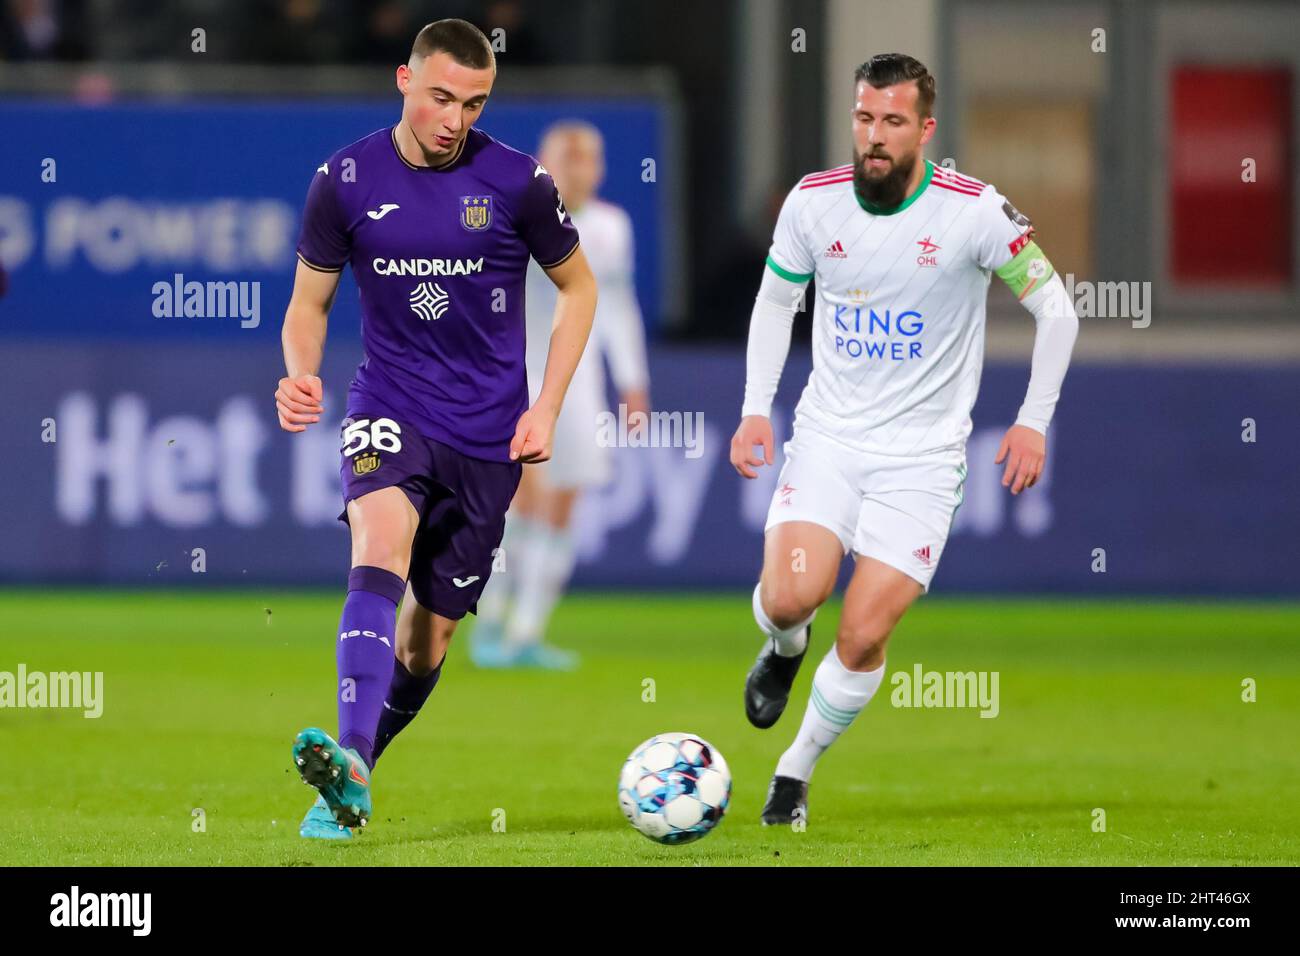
<point x="1134" y="707"/>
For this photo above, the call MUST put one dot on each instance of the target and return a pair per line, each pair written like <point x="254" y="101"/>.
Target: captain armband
<point x="1027" y="271"/>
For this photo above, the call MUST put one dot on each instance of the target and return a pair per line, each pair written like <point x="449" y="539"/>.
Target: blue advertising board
<point x="159" y="449"/>
<point x="99" y="204"/>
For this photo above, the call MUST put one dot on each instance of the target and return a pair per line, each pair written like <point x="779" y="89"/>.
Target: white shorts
<point x="577" y="459"/>
<point x="896" y="510"/>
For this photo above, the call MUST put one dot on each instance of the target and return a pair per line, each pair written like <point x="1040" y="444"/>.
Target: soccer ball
<point x="674" y="788"/>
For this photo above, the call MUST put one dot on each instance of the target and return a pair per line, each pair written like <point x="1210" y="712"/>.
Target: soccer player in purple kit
<point x="438" y="221"/>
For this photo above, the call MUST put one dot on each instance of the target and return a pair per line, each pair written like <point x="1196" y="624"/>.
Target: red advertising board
<point x="1230" y="183"/>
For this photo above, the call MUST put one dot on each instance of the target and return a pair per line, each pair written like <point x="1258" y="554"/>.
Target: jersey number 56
<point x="382" y="434"/>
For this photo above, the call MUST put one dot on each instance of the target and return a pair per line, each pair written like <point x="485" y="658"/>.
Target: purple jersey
<point x="440" y="258"/>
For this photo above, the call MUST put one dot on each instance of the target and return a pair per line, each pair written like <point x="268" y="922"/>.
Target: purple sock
<point x="406" y="695"/>
<point x="365" y="654"/>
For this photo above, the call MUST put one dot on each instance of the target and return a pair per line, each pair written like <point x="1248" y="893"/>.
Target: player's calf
<point x="875" y="602"/>
<point x="852" y="671"/>
<point x="364" y="655"/>
<point x="839" y="693"/>
<point x="422" y="636"/>
<point x="422" y="640"/>
<point x="383" y="523"/>
<point x="799" y="567"/>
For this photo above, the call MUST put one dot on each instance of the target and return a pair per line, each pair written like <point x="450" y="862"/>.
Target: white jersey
<point x="898" y="321"/>
<point x="617" y="332"/>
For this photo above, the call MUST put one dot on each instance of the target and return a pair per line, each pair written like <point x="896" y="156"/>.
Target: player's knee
<point x="383" y="527"/>
<point x="788" y="602"/>
<point x="379" y="550"/>
<point x="861" y="643"/>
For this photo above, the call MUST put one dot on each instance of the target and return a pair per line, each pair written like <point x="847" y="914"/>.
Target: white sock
<point x="791" y="641"/>
<point x="560" y="568"/>
<point x="838" y="695"/>
<point x="547" y="566"/>
<point x="494" y="602"/>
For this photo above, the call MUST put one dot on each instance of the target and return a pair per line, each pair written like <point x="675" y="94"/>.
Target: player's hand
<point x="754" y="430"/>
<point x="532" y="442"/>
<point x="636" y="400"/>
<point x="298" y="402"/>
<point x="1025" y="450"/>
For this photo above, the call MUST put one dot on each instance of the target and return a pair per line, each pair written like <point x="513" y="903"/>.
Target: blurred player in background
<point x="903" y="251"/>
<point x="516" y="607"/>
<point x="439" y="222"/>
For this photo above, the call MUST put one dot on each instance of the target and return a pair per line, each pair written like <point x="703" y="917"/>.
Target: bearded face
<point x="881" y="179"/>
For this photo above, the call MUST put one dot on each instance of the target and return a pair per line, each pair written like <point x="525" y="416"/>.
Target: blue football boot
<point x="319" y="823"/>
<point x="340" y="775"/>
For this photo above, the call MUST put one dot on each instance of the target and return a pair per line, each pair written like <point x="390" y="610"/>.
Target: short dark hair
<point x="887" y="69"/>
<point x="459" y="39"/>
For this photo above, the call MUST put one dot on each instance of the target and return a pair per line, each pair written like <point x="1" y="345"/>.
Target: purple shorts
<point x="461" y="501"/>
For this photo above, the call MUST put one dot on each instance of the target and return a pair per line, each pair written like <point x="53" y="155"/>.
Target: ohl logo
<point x="927" y="258"/>
<point x="429" y="301"/>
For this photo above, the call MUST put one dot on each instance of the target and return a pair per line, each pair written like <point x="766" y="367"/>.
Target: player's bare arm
<point x="299" y="394"/>
<point x="575" y="310"/>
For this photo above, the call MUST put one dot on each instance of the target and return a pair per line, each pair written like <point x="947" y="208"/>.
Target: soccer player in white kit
<point x="903" y="252"/>
<point x="517" y="603"/>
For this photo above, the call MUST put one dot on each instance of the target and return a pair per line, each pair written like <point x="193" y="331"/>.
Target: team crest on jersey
<point x="475" y="212"/>
<point x="927" y="258"/>
<point x="365" y="464"/>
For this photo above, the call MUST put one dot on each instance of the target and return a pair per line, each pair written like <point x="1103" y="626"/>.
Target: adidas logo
<point x="922" y="555"/>
<point x="836" y="251"/>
